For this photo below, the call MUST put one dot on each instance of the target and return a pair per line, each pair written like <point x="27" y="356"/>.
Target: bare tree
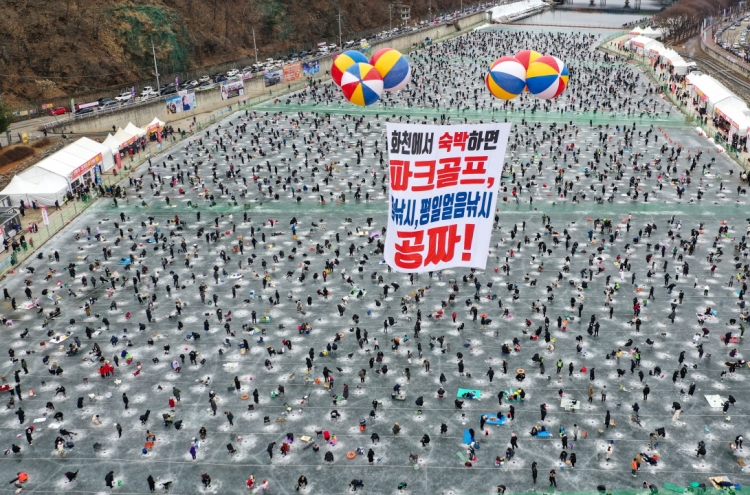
<point x="684" y="18"/>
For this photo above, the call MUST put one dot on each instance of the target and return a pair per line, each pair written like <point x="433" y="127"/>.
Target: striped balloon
<point x="506" y="78"/>
<point x="362" y="84"/>
<point x="343" y="61"/>
<point x="547" y="77"/>
<point x="393" y="68"/>
<point x="526" y="57"/>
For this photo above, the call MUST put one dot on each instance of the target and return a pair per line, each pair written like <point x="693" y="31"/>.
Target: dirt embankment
<point x="54" y="49"/>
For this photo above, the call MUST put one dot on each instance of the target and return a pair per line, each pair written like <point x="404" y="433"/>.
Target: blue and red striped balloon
<point x="506" y="78"/>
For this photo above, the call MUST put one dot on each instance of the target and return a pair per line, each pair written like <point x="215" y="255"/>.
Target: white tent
<point x="78" y="161"/>
<point x="62" y="163"/>
<point x="650" y="32"/>
<point x="734" y="111"/>
<point x="668" y="54"/>
<point x="18" y="189"/>
<point x="694" y="78"/>
<point x="124" y="138"/>
<point x="681" y="66"/>
<point x="676" y="61"/>
<point x="645" y="46"/>
<point x="107" y="161"/>
<point x="155" y="127"/>
<point x="51" y="178"/>
<point x="636" y="31"/>
<point x="37" y="184"/>
<point x="154" y="123"/>
<point x="709" y="90"/>
<point x="112" y="143"/>
<point x="135" y="131"/>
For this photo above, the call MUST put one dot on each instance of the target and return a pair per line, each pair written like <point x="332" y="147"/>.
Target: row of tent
<point x="719" y="101"/>
<point x="83" y="162"/>
<point x="715" y="98"/>
<point x="649" y="47"/>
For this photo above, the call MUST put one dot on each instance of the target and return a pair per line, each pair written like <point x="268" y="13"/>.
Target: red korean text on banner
<point x="443" y="194"/>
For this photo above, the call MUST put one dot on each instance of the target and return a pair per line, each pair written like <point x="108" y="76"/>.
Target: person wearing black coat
<point x="109" y="479"/>
<point x="425" y="440"/>
<point x="301" y="483"/>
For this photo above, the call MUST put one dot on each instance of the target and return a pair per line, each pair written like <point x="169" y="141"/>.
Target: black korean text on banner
<point x="444" y="183"/>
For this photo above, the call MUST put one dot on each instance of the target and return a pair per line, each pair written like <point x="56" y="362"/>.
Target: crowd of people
<point x="304" y="349"/>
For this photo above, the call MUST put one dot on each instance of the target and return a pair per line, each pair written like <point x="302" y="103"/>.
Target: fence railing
<point x="33" y="241"/>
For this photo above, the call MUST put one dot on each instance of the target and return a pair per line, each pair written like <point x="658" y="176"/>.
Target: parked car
<point x="148" y="95"/>
<point x="109" y="104"/>
<point x="232" y="73"/>
<point x="58" y="111"/>
<point x="204" y="79"/>
<point x="83" y="111"/>
<point x="168" y="90"/>
<point x="124" y="97"/>
<point x="104" y="100"/>
<point x="190" y="85"/>
<point x="206" y="86"/>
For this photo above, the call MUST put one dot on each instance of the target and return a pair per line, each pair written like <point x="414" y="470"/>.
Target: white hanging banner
<point x="444" y="183"/>
<point x="45" y="217"/>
